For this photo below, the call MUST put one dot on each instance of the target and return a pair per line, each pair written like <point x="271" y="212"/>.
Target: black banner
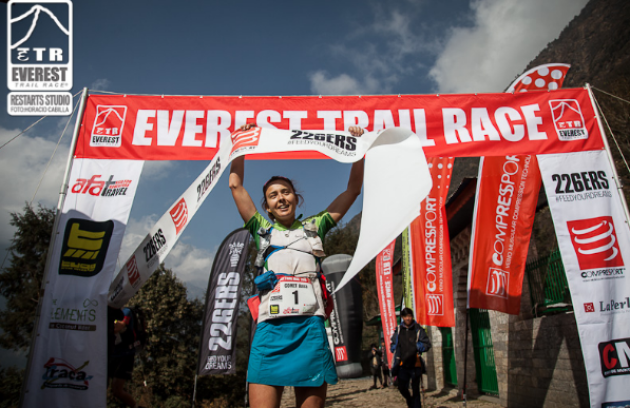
<point x="346" y="320"/>
<point x="217" y="353"/>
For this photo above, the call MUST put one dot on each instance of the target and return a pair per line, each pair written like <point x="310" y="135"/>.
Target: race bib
<point x="292" y="296"/>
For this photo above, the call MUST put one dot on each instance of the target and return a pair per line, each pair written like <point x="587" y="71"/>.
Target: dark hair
<point x="263" y="203"/>
<point x="406" y="312"/>
<point x="372" y="345"/>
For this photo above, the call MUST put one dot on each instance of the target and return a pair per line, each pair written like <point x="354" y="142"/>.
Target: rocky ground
<point x="356" y="393"/>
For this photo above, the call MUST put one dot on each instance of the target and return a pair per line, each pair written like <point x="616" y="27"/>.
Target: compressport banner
<point x="385" y="289"/>
<point x="217" y="354"/>
<point x="191" y="127"/>
<point x="507" y="193"/>
<point x="389" y="155"/>
<point x="431" y="252"/>
<point x="69" y="360"/>
<point x="594" y="240"/>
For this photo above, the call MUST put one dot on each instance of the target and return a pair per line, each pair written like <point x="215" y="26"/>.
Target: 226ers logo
<point x="107" y="129"/>
<point x="247" y="138"/>
<point x="595" y="243"/>
<point x="84" y="247"/>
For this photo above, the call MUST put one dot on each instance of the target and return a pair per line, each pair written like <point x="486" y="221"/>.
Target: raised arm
<point x="243" y="201"/>
<point x="344" y="201"/>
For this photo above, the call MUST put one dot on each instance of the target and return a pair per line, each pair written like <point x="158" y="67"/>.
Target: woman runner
<point x="290" y="347"/>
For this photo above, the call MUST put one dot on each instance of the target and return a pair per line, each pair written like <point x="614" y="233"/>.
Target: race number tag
<point x="292" y="296"/>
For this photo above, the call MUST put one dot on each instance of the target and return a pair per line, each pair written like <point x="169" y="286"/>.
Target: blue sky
<point x="267" y="48"/>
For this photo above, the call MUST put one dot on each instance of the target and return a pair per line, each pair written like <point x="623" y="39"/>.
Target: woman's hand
<point x="247" y="126"/>
<point x="356" y="131"/>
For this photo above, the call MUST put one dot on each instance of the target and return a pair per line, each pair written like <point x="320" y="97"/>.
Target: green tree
<point x="10" y="385"/>
<point x="165" y="370"/>
<point x="20" y="282"/>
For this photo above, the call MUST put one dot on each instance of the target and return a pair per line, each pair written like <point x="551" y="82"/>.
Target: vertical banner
<point x="507" y="193"/>
<point x="407" y="277"/>
<point x="385" y="288"/>
<point x="217" y="354"/>
<point x="69" y="359"/>
<point x="594" y="241"/>
<point x="431" y="252"/>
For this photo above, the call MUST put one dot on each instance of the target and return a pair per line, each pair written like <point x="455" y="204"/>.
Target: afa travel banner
<point x="191" y="127"/>
<point x="69" y="358"/>
<point x="594" y="240"/>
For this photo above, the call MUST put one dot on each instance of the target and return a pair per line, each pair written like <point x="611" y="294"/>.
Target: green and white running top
<point x="300" y="293"/>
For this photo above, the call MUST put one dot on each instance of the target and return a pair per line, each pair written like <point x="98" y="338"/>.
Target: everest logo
<point x="108" y="126"/>
<point x="568" y="119"/>
<point x="595" y="243"/>
<point x="435" y="305"/>
<point x="179" y="214"/>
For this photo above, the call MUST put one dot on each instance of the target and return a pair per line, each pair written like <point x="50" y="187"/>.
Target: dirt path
<point x="356" y="393"/>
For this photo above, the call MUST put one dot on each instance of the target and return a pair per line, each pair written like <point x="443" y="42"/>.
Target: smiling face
<point x="281" y="202"/>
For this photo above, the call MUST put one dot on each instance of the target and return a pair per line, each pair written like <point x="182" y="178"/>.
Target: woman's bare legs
<point x="265" y="396"/>
<point x="310" y="397"/>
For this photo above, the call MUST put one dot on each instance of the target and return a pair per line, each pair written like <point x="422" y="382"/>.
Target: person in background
<point x="409" y="341"/>
<point x="375" y="365"/>
<point x="385" y="365"/>
<point x="121" y="353"/>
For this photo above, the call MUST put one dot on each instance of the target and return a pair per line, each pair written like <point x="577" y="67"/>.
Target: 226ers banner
<point x="69" y="360"/>
<point x="507" y="193"/>
<point x="594" y="241"/>
<point x="431" y="252"/>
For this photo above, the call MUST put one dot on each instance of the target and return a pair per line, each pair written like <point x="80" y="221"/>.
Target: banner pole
<point x="465" y="357"/>
<point x="624" y="204"/>
<point x="194" y="392"/>
<point x="51" y="246"/>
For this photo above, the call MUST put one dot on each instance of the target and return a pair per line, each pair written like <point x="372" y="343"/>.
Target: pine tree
<point x="20" y="282"/>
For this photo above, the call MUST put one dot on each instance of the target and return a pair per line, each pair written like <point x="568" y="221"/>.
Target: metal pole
<point x="51" y="246"/>
<point x="465" y="357"/>
<point x="609" y="154"/>
<point x="194" y="392"/>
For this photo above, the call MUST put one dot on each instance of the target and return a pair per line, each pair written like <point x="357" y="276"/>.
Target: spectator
<point x="121" y="353"/>
<point x="409" y="341"/>
<point x="385" y="365"/>
<point x="375" y="365"/>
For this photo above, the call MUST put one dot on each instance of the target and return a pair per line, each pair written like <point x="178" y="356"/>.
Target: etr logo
<point x="248" y="138"/>
<point x="341" y="354"/>
<point x="595" y="243"/>
<point x="568" y="119"/>
<point x="614" y="355"/>
<point x="179" y="214"/>
<point x="498" y="283"/>
<point x="435" y="305"/>
<point x="109" y="122"/>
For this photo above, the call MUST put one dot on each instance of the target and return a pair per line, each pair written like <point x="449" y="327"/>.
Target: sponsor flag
<point x="431" y="252"/>
<point x="69" y="362"/>
<point x="385" y="288"/>
<point x="507" y="193"/>
<point x="497" y="261"/>
<point x="594" y="241"/>
<point x="396" y="151"/>
<point x="217" y="353"/>
<point x="407" y="276"/>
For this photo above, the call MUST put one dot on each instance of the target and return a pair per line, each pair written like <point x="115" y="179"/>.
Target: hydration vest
<point x="293" y="255"/>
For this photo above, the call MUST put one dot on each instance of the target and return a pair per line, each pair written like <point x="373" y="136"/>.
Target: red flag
<point x="506" y="202"/>
<point x="431" y="252"/>
<point x="385" y="287"/>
